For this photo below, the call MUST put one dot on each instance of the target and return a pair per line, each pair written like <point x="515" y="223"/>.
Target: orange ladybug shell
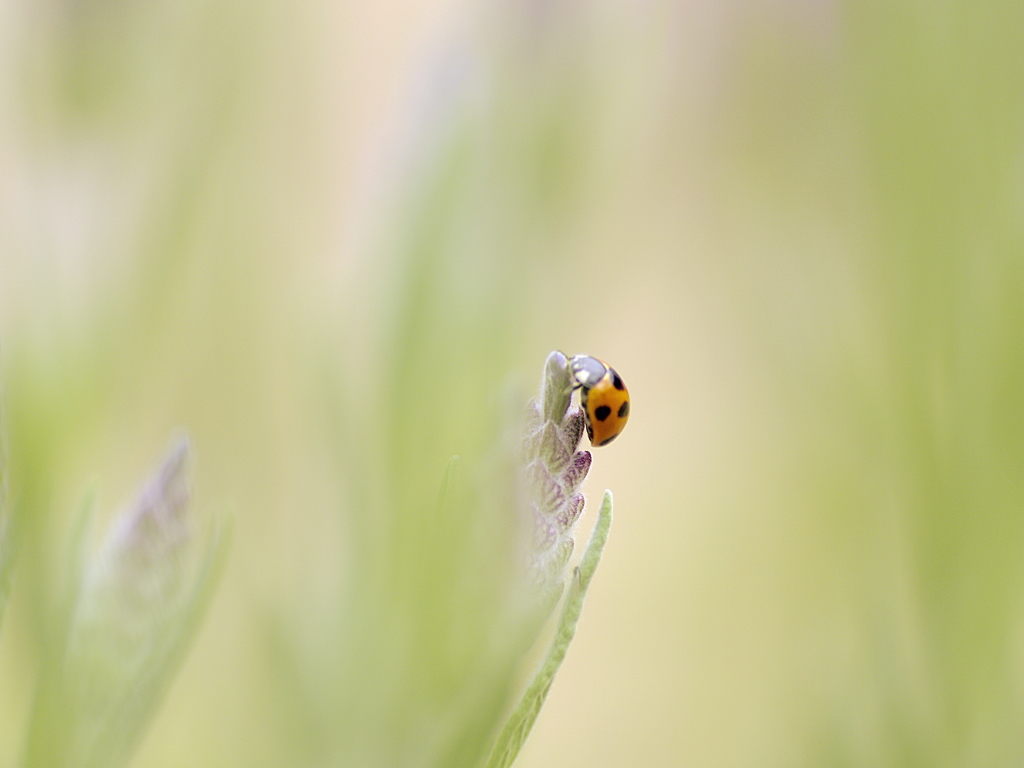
<point x="604" y="398"/>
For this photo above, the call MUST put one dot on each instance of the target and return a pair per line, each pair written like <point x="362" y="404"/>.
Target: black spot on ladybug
<point x="624" y="409"/>
<point x="608" y="440"/>
<point x="602" y="412"/>
<point x="616" y="381"/>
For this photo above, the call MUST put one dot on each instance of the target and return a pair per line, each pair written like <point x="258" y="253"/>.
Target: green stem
<point x="520" y="723"/>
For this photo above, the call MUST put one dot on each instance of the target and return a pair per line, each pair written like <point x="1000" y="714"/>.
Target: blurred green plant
<point x="128" y="615"/>
<point x="6" y="534"/>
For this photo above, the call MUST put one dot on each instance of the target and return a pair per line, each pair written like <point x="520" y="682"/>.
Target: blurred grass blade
<point x="6" y="530"/>
<point x="130" y="612"/>
<point x="520" y="723"/>
<point x="447" y="496"/>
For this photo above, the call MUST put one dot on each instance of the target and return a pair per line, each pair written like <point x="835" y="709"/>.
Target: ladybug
<point x="603" y="396"/>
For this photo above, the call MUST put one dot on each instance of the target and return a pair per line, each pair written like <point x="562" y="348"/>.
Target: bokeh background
<point x="330" y="240"/>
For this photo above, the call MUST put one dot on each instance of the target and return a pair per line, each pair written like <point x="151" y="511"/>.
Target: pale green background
<point x="794" y="228"/>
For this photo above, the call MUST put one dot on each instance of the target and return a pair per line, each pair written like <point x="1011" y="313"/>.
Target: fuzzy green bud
<point x="131" y="610"/>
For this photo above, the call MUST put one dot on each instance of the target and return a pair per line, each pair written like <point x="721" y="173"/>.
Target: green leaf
<point x="520" y="723"/>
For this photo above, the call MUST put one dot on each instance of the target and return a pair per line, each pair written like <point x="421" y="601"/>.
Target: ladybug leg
<point x="586" y="414"/>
